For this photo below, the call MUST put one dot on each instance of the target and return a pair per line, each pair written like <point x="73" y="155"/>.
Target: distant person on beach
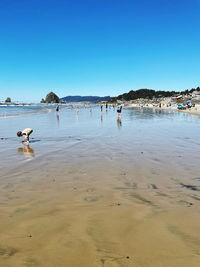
<point x="101" y="108"/>
<point x="26" y="133"/>
<point x="57" y="108"/>
<point x="119" y="110"/>
<point x="106" y="106"/>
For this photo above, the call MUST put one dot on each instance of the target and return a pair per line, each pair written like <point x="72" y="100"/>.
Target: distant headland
<point x="132" y="95"/>
<point x="148" y="94"/>
<point x="94" y="99"/>
<point x="53" y="98"/>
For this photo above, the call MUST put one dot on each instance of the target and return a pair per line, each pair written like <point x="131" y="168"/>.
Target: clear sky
<point x="97" y="47"/>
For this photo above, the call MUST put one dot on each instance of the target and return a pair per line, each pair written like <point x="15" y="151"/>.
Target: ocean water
<point x="22" y="110"/>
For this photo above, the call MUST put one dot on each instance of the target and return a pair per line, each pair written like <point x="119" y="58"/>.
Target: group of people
<point x="119" y="109"/>
<point x="28" y="131"/>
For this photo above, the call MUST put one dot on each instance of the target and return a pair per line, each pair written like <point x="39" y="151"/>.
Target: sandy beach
<point x="108" y="196"/>
<point x="193" y="110"/>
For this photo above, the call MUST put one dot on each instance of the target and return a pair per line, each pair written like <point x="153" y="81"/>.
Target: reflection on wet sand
<point x="27" y="151"/>
<point x="101" y="116"/>
<point x="119" y="123"/>
<point x="57" y="117"/>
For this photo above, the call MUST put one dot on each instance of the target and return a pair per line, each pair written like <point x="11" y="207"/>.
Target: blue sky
<point x="97" y="47"/>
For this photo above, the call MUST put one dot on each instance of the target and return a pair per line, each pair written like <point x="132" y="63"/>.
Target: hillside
<point x="93" y="99"/>
<point x="150" y="94"/>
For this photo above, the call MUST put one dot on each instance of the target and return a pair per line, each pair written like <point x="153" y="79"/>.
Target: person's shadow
<point x="27" y="151"/>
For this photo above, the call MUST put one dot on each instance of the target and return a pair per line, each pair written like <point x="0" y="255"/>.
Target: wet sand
<point x="102" y="206"/>
<point x="102" y="215"/>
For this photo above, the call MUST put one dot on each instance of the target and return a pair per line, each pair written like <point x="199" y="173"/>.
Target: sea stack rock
<point x="8" y="100"/>
<point x="52" y="98"/>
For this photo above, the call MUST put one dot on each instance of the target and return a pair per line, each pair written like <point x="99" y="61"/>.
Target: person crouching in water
<point x="119" y="110"/>
<point x="26" y="133"/>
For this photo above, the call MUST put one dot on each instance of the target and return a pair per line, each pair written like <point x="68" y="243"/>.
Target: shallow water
<point x="115" y="192"/>
<point x="159" y="135"/>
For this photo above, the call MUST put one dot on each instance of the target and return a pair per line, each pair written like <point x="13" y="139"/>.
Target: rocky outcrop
<point x="51" y="98"/>
<point x="8" y="100"/>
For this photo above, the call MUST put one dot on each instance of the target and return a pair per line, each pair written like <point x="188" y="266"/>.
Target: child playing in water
<point x="26" y="132"/>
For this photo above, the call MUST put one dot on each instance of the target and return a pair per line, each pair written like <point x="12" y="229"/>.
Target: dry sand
<point x="102" y="215"/>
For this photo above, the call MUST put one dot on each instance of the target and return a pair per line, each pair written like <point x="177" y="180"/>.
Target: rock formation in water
<point x="51" y="98"/>
<point x="8" y="100"/>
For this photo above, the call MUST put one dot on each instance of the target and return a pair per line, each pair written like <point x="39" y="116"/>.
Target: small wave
<point x="12" y="111"/>
<point x="10" y="116"/>
<point x="5" y="116"/>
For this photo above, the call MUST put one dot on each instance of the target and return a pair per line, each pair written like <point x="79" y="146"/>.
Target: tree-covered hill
<point x="150" y="94"/>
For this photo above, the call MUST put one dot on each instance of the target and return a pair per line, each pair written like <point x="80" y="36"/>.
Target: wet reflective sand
<point x="96" y="191"/>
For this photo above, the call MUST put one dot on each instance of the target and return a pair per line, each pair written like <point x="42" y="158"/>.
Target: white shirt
<point x="27" y="132"/>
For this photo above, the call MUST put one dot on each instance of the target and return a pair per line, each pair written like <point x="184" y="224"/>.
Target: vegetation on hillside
<point x="94" y="99"/>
